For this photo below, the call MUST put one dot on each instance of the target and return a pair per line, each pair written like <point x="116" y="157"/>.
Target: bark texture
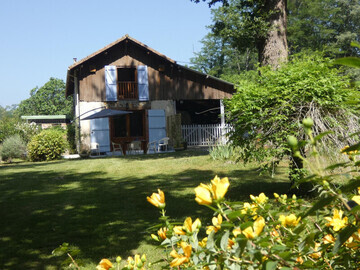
<point x="274" y="48"/>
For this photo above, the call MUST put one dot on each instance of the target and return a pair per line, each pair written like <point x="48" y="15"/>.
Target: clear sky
<point x="40" y="38"/>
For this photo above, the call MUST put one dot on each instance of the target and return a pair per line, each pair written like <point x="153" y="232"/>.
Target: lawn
<point x="99" y="205"/>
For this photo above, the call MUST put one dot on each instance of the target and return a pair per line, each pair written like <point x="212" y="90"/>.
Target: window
<point x="129" y="125"/>
<point x="127" y="83"/>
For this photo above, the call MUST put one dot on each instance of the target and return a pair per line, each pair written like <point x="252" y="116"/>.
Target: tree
<point x="47" y="100"/>
<point x="257" y="24"/>
<point x="324" y="24"/>
<point x="218" y="57"/>
<point x="268" y="107"/>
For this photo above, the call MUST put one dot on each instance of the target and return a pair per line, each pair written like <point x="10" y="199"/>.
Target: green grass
<point x="99" y="205"/>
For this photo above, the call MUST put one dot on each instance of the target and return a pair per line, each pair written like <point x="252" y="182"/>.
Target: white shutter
<point x="100" y="133"/>
<point x="143" y="83"/>
<point x="157" y="125"/>
<point x="110" y="83"/>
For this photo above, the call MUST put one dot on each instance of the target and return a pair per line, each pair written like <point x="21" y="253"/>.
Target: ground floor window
<point x="130" y="125"/>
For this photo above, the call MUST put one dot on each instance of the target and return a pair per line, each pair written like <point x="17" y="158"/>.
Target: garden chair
<point x="152" y="146"/>
<point x="134" y="147"/>
<point x="94" y="148"/>
<point x="117" y="148"/>
<point x="163" y="144"/>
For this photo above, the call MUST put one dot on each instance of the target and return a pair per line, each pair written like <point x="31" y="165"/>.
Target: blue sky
<point x="40" y="38"/>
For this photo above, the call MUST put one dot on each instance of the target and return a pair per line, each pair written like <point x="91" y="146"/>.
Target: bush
<point x="48" y="145"/>
<point x="224" y="152"/>
<point x="13" y="147"/>
<point x="27" y="130"/>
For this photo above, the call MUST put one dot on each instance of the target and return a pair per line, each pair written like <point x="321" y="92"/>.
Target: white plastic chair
<point x="152" y="146"/>
<point x="117" y="148"/>
<point x="94" y="148"/>
<point x="163" y="144"/>
<point x="134" y="147"/>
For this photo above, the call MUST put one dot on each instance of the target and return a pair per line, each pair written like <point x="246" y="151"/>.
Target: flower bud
<point x="292" y="142"/>
<point x="308" y="122"/>
<point x="143" y="258"/>
<point x="118" y="259"/>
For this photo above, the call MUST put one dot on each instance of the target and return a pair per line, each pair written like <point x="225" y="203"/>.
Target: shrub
<point x="13" y="147"/>
<point x="27" y="130"/>
<point x="47" y="145"/>
<point x="224" y="152"/>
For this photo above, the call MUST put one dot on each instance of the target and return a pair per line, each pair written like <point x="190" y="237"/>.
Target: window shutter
<point x="143" y="83"/>
<point x="110" y="83"/>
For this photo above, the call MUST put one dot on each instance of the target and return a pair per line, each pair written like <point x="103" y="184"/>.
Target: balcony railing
<point x="128" y="90"/>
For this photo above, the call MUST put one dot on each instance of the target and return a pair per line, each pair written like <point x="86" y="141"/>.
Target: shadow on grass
<point x="104" y="217"/>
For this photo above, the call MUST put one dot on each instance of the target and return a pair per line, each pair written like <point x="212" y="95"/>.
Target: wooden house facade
<point x="127" y="75"/>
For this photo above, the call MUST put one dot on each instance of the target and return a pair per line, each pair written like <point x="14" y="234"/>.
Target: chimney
<point x="75" y="59"/>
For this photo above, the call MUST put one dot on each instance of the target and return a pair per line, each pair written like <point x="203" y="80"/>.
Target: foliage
<point x="324" y="24"/>
<point x="224" y="152"/>
<point x="47" y="100"/>
<point x="27" y="130"/>
<point x="268" y="107"/>
<point x="49" y="144"/>
<point x="286" y="234"/>
<point x="8" y="120"/>
<point x="13" y="147"/>
<point x="218" y="57"/>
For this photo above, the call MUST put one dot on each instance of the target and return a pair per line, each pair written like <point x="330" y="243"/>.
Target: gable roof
<point x="127" y="38"/>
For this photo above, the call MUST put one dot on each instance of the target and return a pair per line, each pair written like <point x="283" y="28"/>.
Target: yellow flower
<point x="104" y="264"/>
<point x="261" y="199"/>
<point x="191" y="227"/>
<point x="157" y="199"/>
<point x="328" y="239"/>
<point x="162" y="233"/>
<point x="219" y="187"/>
<point x="203" y="242"/>
<point x="179" y="230"/>
<point x="216" y="221"/>
<point x="356" y="199"/>
<point x="252" y="208"/>
<point x="231" y="242"/>
<point x="337" y="222"/>
<point x="206" y="194"/>
<point x="289" y="221"/>
<point x="179" y="259"/>
<point x="236" y="231"/>
<point x="299" y="260"/>
<point x="316" y="254"/>
<point x="203" y="194"/>
<point x="253" y="232"/>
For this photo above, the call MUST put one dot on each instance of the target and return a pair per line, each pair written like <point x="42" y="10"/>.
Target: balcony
<point x="128" y="90"/>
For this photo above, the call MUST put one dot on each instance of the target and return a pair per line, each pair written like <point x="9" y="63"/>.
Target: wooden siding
<point x="167" y="80"/>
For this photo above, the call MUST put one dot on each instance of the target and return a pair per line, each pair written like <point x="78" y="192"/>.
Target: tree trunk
<point x="274" y="48"/>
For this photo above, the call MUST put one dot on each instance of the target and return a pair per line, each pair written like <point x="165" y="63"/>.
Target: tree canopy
<point x="47" y="100"/>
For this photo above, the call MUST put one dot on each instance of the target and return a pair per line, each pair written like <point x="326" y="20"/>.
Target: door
<point x="157" y="125"/>
<point x="99" y="133"/>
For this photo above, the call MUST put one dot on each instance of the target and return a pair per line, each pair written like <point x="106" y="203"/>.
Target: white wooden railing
<point x="204" y="135"/>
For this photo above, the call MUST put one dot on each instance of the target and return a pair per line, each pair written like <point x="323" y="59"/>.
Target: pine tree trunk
<point x="274" y="48"/>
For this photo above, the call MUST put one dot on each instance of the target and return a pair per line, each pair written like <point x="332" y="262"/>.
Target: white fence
<point x="205" y="134"/>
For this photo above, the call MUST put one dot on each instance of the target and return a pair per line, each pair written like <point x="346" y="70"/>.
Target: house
<point x="127" y="75"/>
<point x="47" y="121"/>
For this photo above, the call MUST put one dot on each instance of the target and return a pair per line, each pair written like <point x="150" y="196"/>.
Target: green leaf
<point x="348" y="61"/>
<point x="343" y="236"/>
<point x="353" y="147"/>
<point x="353" y="184"/>
<point x="234" y="214"/>
<point x="224" y="241"/>
<point x="271" y="265"/>
<point x="318" y="137"/>
<point x="210" y="241"/>
<point x="318" y="205"/>
<point x="335" y="166"/>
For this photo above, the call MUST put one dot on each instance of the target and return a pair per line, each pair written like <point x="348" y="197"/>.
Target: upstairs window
<point x="126" y="83"/>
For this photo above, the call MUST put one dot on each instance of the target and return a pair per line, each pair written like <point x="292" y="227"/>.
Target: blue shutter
<point x="99" y="133"/>
<point x="143" y="83"/>
<point x="157" y="125"/>
<point x="110" y="83"/>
